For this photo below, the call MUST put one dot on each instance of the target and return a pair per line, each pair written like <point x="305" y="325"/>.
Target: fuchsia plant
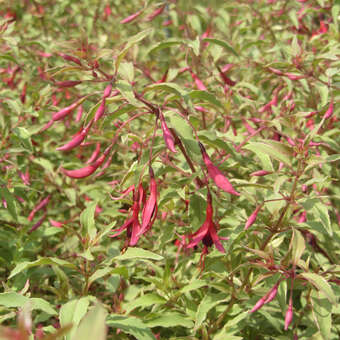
<point x="232" y="107"/>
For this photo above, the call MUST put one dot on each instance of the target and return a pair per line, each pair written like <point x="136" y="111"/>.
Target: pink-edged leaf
<point x="70" y="58"/>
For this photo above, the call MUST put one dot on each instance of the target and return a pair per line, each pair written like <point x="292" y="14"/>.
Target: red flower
<point x="132" y="224"/>
<point x="207" y="232"/>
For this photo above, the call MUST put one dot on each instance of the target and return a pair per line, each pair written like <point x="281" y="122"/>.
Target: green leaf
<point x="144" y="301"/>
<point x="167" y="87"/>
<point x="322" y="314"/>
<point x="87" y="220"/>
<point x="197" y="207"/>
<point x="185" y="134"/>
<point x="71" y="313"/>
<point x="322" y="215"/>
<point x="12" y="300"/>
<point x="139" y="253"/>
<point x="99" y="274"/>
<point x="41" y="262"/>
<point x="279" y="151"/>
<point x="205" y="96"/>
<point x="170" y="320"/>
<point x="193" y="286"/>
<point x="208" y="302"/>
<point x="9" y="198"/>
<point x="222" y="44"/>
<point x="130" y="42"/>
<point x="130" y="325"/>
<point x="321" y="284"/>
<point x="92" y="325"/>
<point x="41" y="304"/>
<point x="298" y="246"/>
<point x="127" y="92"/>
<point x="164" y="44"/>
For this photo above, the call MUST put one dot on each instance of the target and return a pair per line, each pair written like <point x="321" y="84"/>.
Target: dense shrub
<point x="169" y="169"/>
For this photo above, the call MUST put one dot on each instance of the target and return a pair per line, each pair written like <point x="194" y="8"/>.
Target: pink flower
<point x="132" y="224"/>
<point x="150" y="208"/>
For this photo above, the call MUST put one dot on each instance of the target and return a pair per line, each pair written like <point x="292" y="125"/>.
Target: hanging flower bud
<point x="94" y="154"/>
<point x="70" y="58"/>
<point x="168" y="137"/>
<point x="87" y="170"/>
<point x="38" y="207"/>
<point x="155" y="13"/>
<point x="260" y="173"/>
<point x="107" y="91"/>
<point x="100" y="111"/>
<point x="198" y="82"/>
<point x="131" y="17"/>
<point x="77" y="139"/>
<point x="67" y="110"/>
<point x="330" y="110"/>
<point x="252" y="217"/>
<point x="216" y="175"/>
<point x="289" y="314"/>
<point x="68" y="83"/>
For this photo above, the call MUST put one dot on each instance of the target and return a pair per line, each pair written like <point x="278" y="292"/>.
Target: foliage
<point x="176" y="161"/>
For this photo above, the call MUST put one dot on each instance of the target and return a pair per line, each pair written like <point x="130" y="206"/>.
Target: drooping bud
<point x="100" y="111"/>
<point x="77" y="139"/>
<point x="87" y="170"/>
<point x="168" y="137"/>
<point x="94" y="154"/>
<point x="68" y="83"/>
<point x="131" y="17"/>
<point x="289" y="314"/>
<point x="38" y="207"/>
<point x="272" y="293"/>
<point x="252" y="217"/>
<point x="216" y="175"/>
<point x="198" y="82"/>
<point x="70" y="58"/>
<point x="107" y="91"/>
<point x="155" y="13"/>
<point x="260" y="173"/>
<point x="67" y="110"/>
<point x="329" y="111"/>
